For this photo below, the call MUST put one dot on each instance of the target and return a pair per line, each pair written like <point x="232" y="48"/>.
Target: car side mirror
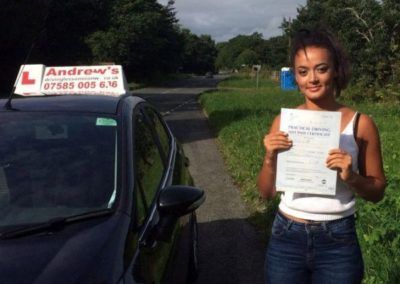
<point x="173" y="202"/>
<point x="179" y="200"/>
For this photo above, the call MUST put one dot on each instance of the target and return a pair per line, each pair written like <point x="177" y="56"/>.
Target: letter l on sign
<point x="29" y="80"/>
<point x="26" y="80"/>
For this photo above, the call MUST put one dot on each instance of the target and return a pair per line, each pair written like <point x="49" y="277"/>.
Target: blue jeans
<point x="326" y="252"/>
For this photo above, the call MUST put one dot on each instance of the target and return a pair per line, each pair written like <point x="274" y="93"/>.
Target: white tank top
<point x="326" y="208"/>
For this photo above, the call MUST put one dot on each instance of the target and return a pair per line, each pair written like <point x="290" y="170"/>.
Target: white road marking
<point x="177" y="107"/>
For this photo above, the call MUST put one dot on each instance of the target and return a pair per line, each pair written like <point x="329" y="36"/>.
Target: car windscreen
<point x="55" y="165"/>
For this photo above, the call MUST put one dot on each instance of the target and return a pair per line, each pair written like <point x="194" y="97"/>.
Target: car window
<point x="55" y="165"/>
<point x="149" y="165"/>
<point x="162" y="133"/>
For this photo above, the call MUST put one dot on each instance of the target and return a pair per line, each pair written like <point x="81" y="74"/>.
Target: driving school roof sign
<point x="41" y="80"/>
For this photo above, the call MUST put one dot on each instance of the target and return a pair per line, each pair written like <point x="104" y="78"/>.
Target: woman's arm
<point x="370" y="182"/>
<point x="274" y="142"/>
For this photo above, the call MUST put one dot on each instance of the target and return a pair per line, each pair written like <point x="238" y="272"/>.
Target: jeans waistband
<point x="314" y="223"/>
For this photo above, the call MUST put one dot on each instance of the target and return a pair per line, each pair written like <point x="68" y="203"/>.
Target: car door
<point x="153" y="152"/>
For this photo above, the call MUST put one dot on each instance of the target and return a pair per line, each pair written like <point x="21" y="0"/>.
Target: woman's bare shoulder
<point x="366" y="125"/>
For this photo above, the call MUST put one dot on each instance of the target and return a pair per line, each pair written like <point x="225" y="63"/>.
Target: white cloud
<point x="225" y="19"/>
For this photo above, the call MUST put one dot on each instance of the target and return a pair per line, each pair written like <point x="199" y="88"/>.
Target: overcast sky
<point x="225" y="19"/>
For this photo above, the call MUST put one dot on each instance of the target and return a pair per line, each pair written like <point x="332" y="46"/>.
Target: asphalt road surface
<point x="231" y="249"/>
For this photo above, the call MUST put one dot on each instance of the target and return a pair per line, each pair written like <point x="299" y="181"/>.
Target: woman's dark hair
<point x="325" y="39"/>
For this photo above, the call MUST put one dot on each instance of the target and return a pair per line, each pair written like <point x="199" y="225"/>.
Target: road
<point x="231" y="250"/>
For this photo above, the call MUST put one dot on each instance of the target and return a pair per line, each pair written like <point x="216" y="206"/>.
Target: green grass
<point x="241" y="115"/>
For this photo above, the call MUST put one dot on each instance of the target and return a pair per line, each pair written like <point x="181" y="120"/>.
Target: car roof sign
<point x="35" y="79"/>
<point x="29" y="79"/>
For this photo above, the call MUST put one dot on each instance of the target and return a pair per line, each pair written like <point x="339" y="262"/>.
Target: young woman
<point x="313" y="237"/>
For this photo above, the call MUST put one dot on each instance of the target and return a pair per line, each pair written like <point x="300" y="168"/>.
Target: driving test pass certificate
<point x="302" y="168"/>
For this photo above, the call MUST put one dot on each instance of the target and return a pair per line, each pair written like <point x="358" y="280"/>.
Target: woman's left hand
<point x="342" y="162"/>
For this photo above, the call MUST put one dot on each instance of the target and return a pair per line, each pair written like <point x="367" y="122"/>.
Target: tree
<point x="224" y="57"/>
<point x="21" y="25"/>
<point x="229" y="51"/>
<point x="199" y="53"/>
<point x="143" y="36"/>
<point x="391" y="16"/>
<point x="67" y="25"/>
<point x="275" y="52"/>
<point x="247" y="57"/>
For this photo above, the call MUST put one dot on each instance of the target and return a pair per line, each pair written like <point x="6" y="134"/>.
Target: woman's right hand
<point x="275" y="142"/>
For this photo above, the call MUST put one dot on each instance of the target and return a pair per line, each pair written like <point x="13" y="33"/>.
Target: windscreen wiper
<point x="52" y="225"/>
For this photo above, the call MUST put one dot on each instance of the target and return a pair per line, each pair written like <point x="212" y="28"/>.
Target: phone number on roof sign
<point x="80" y="85"/>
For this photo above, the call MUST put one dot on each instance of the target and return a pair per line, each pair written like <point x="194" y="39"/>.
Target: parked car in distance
<point x="209" y="75"/>
<point x="93" y="189"/>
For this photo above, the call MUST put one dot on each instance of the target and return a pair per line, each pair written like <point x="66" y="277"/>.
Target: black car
<point x="209" y="75"/>
<point x="93" y="189"/>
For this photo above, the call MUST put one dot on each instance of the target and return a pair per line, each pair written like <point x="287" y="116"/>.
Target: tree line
<point x="142" y="35"/>
<point x="147" y="39"/>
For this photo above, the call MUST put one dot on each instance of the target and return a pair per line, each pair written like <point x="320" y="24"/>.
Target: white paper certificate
<point x="303" y="167"/>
